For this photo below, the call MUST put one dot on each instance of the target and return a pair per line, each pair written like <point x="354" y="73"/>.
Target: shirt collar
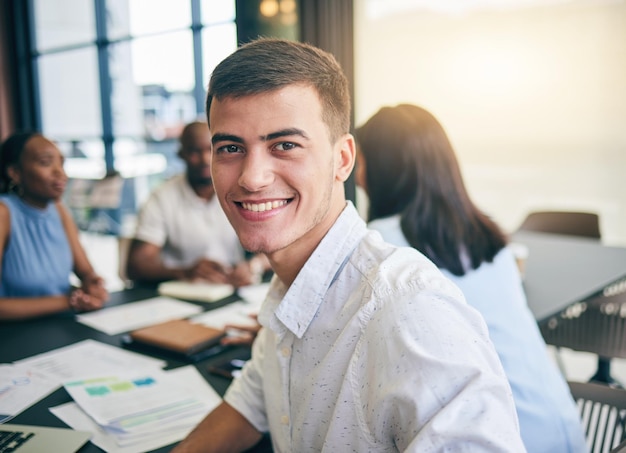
<point x="303" y="298"/>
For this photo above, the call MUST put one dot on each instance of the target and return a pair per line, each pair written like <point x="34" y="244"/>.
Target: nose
<point x="256" y="172"/>
<point x="59" y="169"/>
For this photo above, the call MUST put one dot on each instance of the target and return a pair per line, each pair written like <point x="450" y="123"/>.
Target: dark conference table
<point x="563" y="270"/>
<point x="23" y="339"/>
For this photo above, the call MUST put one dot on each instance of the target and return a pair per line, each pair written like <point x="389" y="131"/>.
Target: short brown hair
<point x="268" y="64"/>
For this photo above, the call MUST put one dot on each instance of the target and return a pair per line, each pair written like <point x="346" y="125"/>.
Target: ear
<point x="345" y="158"/>
<point x="14" y="175"/>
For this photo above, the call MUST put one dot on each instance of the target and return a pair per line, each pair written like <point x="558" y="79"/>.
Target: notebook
<point x="37" y="439"/>
<point x="196" y="291"/>
<point x="181" y="337"/>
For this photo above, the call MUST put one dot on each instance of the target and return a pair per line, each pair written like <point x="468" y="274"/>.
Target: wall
<point x="532" y="94"/>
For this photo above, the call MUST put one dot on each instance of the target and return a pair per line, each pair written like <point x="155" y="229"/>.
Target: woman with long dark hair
<point x="417" y="198"/>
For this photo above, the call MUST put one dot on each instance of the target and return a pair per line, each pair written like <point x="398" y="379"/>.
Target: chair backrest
<point x="572" y="223"/>
<point x="596" y="325"/>
<point x="602" y="411"/>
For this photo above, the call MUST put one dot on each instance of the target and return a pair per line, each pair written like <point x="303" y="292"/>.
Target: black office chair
<point x="571" y="223"/>
<point x="596" y="325"/>
<point x="581" y="327"/>
<point x="602" y="412"/>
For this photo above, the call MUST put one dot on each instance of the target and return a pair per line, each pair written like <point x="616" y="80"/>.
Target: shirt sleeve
<point x="437" y="384"/>
<point x="245" y="394"/>
<point x="151" y="222"/>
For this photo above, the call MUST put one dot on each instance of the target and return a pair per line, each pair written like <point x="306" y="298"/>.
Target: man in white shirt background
<point x="182" y="232"/>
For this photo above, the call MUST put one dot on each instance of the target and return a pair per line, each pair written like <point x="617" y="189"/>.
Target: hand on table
<point x="210" y="271"/>
<point x="247" y="336"/>
<point x="91" y="296"/>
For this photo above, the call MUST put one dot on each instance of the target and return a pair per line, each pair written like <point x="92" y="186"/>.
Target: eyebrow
<point x="285" y="133"/>
<point x="218" y="137"/>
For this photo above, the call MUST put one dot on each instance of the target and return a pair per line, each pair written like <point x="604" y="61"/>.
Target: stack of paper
<point x="134" y="315"/>
<point x="138" y="412"/>
<point x="127" y="413"/>
<point x="87" y="358"/>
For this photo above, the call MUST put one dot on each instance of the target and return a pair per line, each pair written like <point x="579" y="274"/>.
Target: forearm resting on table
<point x="223" y="430"/>
<point x="151" y="270"/>
<point x="32" y="307"/>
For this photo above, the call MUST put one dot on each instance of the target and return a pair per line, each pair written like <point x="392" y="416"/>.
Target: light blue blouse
<point x="37" y="258"/>
<point x="548" y="417"/>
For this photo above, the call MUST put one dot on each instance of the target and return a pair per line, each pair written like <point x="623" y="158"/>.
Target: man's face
<point x="196" y="152"/>
<point x="276" y="174"/>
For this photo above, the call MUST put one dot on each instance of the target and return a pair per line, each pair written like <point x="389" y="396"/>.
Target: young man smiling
<point x="364" y="346"/>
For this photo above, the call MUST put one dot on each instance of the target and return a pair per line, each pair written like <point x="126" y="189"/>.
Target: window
<point x="118" y="79"/>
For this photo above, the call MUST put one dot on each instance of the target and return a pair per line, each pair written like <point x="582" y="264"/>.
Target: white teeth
<point x="261" y="207"/>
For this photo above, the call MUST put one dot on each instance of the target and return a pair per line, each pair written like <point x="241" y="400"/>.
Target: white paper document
<point x="88" y="358"/>
<point x="20" y="388"/>
<point x="237" y="313"/>
<point x="153" y="412"/>
<point x="134" y="315"/>
<point x="254" y="294"/>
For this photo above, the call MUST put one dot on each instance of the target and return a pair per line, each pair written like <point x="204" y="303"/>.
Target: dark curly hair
<point x="10" y="153"/>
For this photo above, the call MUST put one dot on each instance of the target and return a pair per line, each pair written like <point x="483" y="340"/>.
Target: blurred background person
<point x="39" y="241"/>
<point x="182" y="232"/>
<point x="417" y="198"/>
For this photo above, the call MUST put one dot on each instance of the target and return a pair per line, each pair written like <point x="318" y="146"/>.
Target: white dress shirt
<point x="187" y="227"/>
<point x="372" y="349"/>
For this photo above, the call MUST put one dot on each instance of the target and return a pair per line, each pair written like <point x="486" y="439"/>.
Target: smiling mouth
<point x="262" y="207"/>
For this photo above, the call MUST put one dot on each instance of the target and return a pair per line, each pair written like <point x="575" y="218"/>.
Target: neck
<point x="205" y="192"/>
<point x="287" y="262"/>
<point x="35" y="202"/>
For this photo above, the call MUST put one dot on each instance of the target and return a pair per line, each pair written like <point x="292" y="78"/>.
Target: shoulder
<point x="6" y="202"/>
<point x="5" y="219"/>
<point x="4" y="207"/>
<point x="407" y="288"/>
<point x="171" y="187"/>
<point x="8" y="210"/>
<point x="398" y="269"/>
<point x="62" y="210"/>
<point x="166" y="195"/>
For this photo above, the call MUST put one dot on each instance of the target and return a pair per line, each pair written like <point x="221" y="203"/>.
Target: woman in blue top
<point x="407" y="167"/>
<point x="39" y="242"/>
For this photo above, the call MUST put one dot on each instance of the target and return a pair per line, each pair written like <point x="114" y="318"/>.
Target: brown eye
<point x="285" y="146"/>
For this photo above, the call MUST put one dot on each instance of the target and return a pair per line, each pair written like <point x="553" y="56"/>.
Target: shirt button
<point x="286" y="351"/>
<point x="284" y="420"/>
